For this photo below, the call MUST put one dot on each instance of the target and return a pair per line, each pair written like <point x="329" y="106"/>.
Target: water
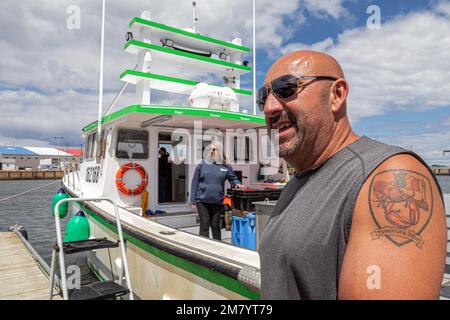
<point x="33" y="212"/>
<point x="444" y="182"/>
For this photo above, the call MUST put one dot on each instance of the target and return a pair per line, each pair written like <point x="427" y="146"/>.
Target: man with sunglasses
<point x="360" y="219"/>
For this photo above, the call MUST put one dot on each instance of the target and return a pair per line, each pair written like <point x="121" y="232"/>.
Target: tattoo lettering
<point x="401" y="205"/>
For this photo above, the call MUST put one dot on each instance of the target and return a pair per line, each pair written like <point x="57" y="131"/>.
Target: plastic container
<point x="243" y="231"/>
<point x="243" y="198"/>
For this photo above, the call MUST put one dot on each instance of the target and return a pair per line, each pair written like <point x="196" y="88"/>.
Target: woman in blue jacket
<point x="207" y="190"/>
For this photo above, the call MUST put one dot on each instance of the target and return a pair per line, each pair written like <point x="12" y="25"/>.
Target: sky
<point x="399" y="70"/>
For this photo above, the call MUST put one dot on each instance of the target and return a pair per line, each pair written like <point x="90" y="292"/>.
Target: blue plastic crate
<point x="243" y="231"/>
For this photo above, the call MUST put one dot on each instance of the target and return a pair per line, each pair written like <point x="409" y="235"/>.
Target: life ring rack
<point x="121" y="185"/>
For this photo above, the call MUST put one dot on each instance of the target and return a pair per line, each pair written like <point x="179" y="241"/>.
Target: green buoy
<point x="77" y="228"/>
<point x="64" y="207"/>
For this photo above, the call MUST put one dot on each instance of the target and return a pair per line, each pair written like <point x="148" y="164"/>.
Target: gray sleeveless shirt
<point x="303" y="245"/>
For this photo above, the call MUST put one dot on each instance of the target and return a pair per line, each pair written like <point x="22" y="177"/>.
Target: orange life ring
<point x="121" y="185"/>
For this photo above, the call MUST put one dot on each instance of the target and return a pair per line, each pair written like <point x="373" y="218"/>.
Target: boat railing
<point x="70" y="171"/>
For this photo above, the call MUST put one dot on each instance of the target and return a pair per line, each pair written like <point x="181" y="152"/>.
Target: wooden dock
<point x="20" y="276"/>
<point x="441" y="171"/>
<point x="30" y="174"/>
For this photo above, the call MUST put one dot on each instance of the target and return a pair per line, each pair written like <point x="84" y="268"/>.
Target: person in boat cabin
<point x="207" y="189"/>
<point x="360" y="219"/>
<point x="164" y="170"/>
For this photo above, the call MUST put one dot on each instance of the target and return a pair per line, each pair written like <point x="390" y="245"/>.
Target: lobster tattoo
<point x="391" y="195"/>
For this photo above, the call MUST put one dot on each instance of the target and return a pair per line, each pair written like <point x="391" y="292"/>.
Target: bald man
<point x="360" y="219"/>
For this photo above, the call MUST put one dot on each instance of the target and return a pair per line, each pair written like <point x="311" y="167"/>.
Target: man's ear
<point x="338" y="97"/>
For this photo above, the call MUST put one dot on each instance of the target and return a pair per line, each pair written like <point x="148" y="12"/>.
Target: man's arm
<point x="398" y="238"/>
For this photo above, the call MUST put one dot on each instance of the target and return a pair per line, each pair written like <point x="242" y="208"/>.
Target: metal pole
<point x="118" y="95"/>
<point x="254" y="57"/>
<point x="57" y="146"/>
<point x="100" y="91"/>
<point x="194" y="16"/>
<point x="60" y="244"/>
<point x="122" y="250"/>
<point x="52" y="275"/>
<point x="62" y="265"/>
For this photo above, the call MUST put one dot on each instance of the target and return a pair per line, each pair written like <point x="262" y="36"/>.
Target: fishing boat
<point x="166" y="258"/>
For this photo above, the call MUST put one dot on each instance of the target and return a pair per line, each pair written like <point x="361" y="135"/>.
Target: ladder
<point x="98" y="290"/>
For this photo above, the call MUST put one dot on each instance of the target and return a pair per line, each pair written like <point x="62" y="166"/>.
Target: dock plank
<point x="20" y="276"/>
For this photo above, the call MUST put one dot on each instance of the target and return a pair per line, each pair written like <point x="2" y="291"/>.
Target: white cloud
<point x="49" y="74"/>
<point x="428" y="145"/>
<point x="324" y="8"/>
<point x="443" y="7"/>
<point x="323" y="45"/>
<point x="403" y="66"/>
<point x="9" y="141"/>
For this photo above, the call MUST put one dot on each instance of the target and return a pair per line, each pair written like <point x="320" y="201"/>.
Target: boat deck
<point x="20" y="276"/>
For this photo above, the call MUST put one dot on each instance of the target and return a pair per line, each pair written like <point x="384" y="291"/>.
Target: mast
<point x="100" y="91"/>
<point x="194" y="16"/>
<point x="254" y="57"/>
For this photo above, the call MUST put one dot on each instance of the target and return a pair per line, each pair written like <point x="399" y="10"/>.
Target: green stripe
<point x="91" y="126"/>
<point x="185" y="54"/>
<point x="188" y="34"/>
<point x="97" y="273"/>
<point x="198" y="270"/>
<point x="175" y="80"/>
<point x="179" y="111"/>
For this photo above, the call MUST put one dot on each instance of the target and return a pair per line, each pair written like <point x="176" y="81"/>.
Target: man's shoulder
<point x="402" y="179"/>
<point x="403" y="163"/>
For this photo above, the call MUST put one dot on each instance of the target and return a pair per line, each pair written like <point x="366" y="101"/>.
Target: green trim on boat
<point x="198" y="270"/>
<point x="188" y="34"/>
<point x="94" y="271"/>
<point x="184" y="54"/>
<point x="179" y="111"/>
<point x="175" y="80"/>
<point x="90" y="126"/>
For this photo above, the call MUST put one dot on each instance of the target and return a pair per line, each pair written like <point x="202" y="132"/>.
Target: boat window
<point x="86" y="148"/>
<point x="92" y="145"/>
<point x="172" y="169"/>
<point x="239" y="152"/>
<point x="132" y="144"/>
<point x="103" y="144"/>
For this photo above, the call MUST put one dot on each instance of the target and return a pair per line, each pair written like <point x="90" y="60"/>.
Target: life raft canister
<point x="121" y="185"/>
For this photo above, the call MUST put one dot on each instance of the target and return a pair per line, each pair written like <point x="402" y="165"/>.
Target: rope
<point x="19" y="194"/>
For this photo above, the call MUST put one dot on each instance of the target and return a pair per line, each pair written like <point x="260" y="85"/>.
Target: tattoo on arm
<point x="401" y="205"/>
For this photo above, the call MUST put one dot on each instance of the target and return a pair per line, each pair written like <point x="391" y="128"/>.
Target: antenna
<point x="194" y="16"/>
<point x="254" y="57"/>
<point x="100" y="91"/>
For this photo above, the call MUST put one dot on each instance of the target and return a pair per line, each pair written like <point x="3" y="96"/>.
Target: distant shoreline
<point x="441" y="171"/>
<point x="31" y="174"/>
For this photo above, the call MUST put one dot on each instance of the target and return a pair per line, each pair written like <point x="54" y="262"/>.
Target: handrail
<point x="71" y="170"/>
<point x="60" y="243"/>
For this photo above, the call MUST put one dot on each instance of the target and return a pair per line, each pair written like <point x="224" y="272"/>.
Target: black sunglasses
<point x="283" y="87"/>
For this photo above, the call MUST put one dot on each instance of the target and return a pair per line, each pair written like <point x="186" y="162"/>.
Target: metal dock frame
<point x="60" y="247"/>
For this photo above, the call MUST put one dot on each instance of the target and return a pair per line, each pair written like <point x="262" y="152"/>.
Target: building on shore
<point x="38" y="158"/>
